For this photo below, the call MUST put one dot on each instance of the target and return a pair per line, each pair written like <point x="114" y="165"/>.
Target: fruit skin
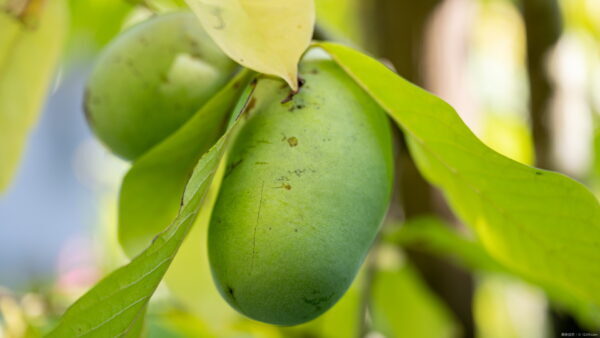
<point x="150" y="80"/>
<point x="306" y="188"/>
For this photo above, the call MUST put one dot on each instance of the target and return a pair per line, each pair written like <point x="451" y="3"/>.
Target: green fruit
<point x="152" y="79"/>
<point x="306" y="188"/>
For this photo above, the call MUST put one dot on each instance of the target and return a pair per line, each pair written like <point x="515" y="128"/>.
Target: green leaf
<point x="541" y="224"/>
<point x="402" y="306"/>
<point x="29" y="53"/>
<point x="194" y="288"/>
<point x="114" y="306"/>
<point x="151" y="191"/>
<point x="430" y="234"/>
<point x="268" y="36"/>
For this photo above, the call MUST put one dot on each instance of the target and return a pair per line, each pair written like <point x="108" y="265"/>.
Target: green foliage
<point x="431" y="235"/>
<point x="538" y="225"/>
<point x="151" y="191"/>
<point x="541" y="224"/>
<point x="29" y="52"/>
<point x="193" y="288"/>
<point x="116" y="305"/>
<point x="150" y="80"/>
<point x="403" y="306"/>
<point x="306" y="188"/>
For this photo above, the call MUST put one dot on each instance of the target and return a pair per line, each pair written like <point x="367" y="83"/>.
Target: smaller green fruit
<point x="150" y="80"/>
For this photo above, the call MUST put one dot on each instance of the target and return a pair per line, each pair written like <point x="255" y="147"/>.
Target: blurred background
<point x="525" y="77"/>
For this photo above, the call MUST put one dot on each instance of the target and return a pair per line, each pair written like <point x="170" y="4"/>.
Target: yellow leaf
<point x="29" y="52"/>
<point x="268" y="36"/>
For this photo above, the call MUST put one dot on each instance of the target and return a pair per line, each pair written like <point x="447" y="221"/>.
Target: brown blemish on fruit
<point x="317" y="301"/>
<point x="294" y="107"/>
<point x="284" y="185"/>
<point x="261" y="163"/>
<point x="300" y="172"/>
<point x="231" y="292"/>
<point x="292" y="141"/>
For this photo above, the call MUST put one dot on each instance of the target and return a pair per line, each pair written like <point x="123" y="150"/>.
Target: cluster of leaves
<point x="541" y="226"/>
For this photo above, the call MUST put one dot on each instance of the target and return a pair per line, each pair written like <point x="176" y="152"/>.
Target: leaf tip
<point x="292" y="80"/>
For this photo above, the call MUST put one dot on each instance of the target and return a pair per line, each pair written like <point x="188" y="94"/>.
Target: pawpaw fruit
<point x="150" y="80"/>
<point x="307" y="185"/>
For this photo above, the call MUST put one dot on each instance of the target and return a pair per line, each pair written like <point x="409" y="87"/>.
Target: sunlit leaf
<point x="510" y="136"/>
<point x="29" y="53"/>
<point x="151" y="191"/>
<point x="403" y="306"/>
<point x="114" y="306"/>
<point x="268" y="36"/>
<point x="430" y="234"/>
<point x="541" y="224"/>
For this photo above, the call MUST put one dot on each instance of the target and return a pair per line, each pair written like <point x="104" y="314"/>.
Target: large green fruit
<point x="306" y="188"/>
<point x="150" y="80"/>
